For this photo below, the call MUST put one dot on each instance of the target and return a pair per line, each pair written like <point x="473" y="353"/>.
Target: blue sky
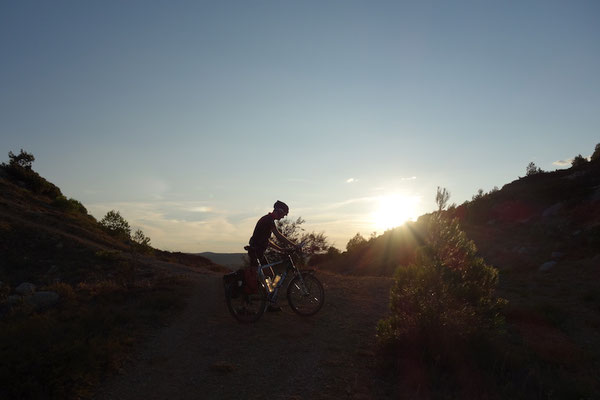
<point x="192" y="117"/>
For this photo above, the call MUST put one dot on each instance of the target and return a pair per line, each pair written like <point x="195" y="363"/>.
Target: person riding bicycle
<point x="260" y="240"/>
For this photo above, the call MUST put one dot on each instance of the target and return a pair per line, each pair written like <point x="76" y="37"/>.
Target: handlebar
<point x="296" y="249"/>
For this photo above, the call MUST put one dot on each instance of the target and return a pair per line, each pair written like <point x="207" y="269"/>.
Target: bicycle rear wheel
<point x="305" y="302"/>
<point x="246" y="308"/>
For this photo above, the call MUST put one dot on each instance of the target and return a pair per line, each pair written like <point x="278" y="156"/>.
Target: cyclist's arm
<point x="281" y="238"/>
<point x="273" y="245"/>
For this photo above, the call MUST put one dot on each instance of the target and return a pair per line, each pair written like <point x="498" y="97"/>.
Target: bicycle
<point x="305" y="293"/>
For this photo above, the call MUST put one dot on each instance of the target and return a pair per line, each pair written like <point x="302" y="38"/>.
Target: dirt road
<point x="205" y="354"/>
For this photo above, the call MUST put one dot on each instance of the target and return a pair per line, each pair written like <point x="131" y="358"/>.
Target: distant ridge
<point x="229" y="260"/>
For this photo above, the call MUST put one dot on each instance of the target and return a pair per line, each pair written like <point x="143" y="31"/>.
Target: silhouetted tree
<point x="579" y="160"/>
<point x="478" y="196"/>
<point x="116" y="225"/>
<point x="140" y="238"/>
<point x="23" y="160"/>
<point x="19" y="170"/>
<point x="532" y="169"/>
<point x="441" y="198"/>
<point x="314" y="243"/>
<point x="445" y="297"/>
<point x="596" y="154"/>
<point x="356" y="242"/>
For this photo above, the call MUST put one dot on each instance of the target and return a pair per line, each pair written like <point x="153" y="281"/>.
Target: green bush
<point x="141" y="242"/>
<point x="596" y="155"/>
<point x="19" y="170"/>
<point x="71" y="204"/>
<point x="532" y="169"/>
<point x="357" y="242"/>
<point x="579" y="160"/>
<point x="116" y="225"/>
<point x="445" y="298"/>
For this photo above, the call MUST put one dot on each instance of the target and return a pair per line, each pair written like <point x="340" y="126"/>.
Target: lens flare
<point x="394" y="210"/>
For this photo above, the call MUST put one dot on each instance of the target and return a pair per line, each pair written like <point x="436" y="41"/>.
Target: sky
<point x="191" y="118"/>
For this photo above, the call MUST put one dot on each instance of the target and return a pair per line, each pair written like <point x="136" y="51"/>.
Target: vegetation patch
<point x="444" y="315"/>
<point x="64" y="352"/>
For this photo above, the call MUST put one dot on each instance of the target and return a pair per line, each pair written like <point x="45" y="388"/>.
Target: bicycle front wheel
<point x="308" y="298"/>
<point x="246" y="308"/>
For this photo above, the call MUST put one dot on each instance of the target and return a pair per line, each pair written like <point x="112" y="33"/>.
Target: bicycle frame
<point x="289" y="263"/>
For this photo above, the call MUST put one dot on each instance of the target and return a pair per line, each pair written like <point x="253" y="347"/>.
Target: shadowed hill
<point x="46" y="237"/>
<point x="542" y="232"/>
<point x="74" y="299"/>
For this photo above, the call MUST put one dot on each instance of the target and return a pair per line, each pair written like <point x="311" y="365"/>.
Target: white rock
<point x="547" y="266"/>
<point x="25" y="288"/>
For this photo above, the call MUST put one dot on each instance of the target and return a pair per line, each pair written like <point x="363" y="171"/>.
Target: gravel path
<point x="206" y="354"/>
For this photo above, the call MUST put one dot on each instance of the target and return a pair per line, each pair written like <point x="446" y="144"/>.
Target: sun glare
<point x="394" y="210"/>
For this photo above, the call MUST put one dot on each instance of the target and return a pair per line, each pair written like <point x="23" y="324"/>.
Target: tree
<point x="356" y="242"/>
<point x="23" y="160"/>
<point x="314" y="243"/>
<point x="116" y="225"/>
<point x="579" y="160"/>
<point x="441" y="198"/>
<point x="596" y="154"/>
<point x="532" y="169"/>
<point x="333" y="252"/>
<point x="445" y="296"/>
<point x="478" y="196"/>
<point x="140" y="239"/>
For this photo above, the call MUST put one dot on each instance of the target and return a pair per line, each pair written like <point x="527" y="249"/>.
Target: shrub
<point x="579" y="160"/>
<point x="19" y="170"/>
<point x="23" y="160"/>
<point x="357" y="242"/>
<point x="532" y="169"/>
<point x="71" y="204"/>
<point x="445" y="298"/>
<point x="479" y="195"/>
<point x="596" y="155"/>
<point x="116" y="225"/>
<point x="141" y="242"/>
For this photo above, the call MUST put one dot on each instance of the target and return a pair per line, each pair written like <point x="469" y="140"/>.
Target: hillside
<point x="545" y="217"/>
<point x="135" y="323"/>
<point x="74" y="299"/>
<point x="542" y="232"/>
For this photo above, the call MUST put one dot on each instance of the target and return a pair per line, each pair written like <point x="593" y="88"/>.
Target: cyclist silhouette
<point x="260" y="241"/>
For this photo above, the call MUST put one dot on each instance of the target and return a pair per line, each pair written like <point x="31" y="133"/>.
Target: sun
<point x="394" y="210"/>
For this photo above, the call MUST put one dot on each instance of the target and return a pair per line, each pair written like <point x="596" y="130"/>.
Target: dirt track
<point x="206" y="354"/>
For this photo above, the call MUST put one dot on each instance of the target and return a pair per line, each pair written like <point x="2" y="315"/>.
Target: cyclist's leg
<point x="251" y="273"/>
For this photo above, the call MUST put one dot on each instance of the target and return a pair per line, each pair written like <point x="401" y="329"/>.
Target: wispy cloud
<point x="563" y="163"/>
<point x="412" y="178"/>
<point x="351" y="180"/>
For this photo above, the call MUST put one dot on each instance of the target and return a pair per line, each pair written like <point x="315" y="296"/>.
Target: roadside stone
<point x="42" y="300"/>
<point x="547" y="266"/>
<point x="25" y="288"/>
<point x="223" y="367"/>
<point x="596" y="195"/>
<point x="552" y="210"/>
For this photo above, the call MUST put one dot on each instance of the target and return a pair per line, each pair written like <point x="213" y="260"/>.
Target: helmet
<point x="282" y="206"/>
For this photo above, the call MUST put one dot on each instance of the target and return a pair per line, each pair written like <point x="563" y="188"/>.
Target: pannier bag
<point x="250" y="280"/>
<point x="234" y="282"/>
